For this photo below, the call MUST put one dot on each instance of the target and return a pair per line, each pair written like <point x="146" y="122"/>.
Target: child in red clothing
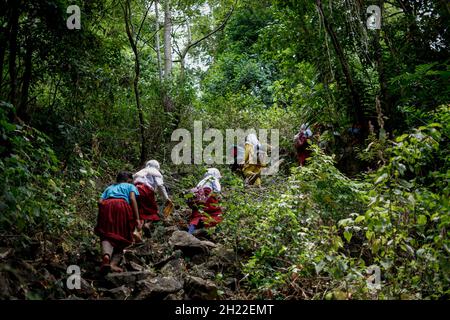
<point x="149" y="181"/>
<point x="206" y="211"/>
<point x="118" y="216"/>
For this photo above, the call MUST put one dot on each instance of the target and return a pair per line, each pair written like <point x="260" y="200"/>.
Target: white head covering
<point x="305" y="128"/>
<point x="153" y="164"/>
<point x="213" y="172"/>
<point x="211" y="180"/>
<point x="150" y="175"/>
<point x="253" y="140"/>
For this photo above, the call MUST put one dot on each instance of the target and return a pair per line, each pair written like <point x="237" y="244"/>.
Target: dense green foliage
<point x="76" y="106"/>
<point x="323" y="230"/>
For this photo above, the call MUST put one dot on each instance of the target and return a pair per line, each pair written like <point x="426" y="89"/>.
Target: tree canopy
<point x="80" y="104"/>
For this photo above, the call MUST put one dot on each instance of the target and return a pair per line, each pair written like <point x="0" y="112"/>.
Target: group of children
<point x="129" y="206"/>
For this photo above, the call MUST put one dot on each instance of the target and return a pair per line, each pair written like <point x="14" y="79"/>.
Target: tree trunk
<point x="385" y="100"/>
<point x="157" y="42"/>
<point x="14" y="20"/>
<point x="4" y="36"/>
<point x="3" y="42"/>
<point x="182" y="70"/>
<point x="139" y="107"/>
<point x="167" y="40"/>
<point x="137" y="72"/>
<point x="22" y="110"/>
<point x="358" y="111"/>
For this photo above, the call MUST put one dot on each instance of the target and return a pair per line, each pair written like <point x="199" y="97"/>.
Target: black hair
<point x="123" y="176"/>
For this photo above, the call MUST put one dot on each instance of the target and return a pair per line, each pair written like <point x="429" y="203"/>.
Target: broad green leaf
<point x="422" y="220"/>
<point x="381" y="178"/>
<point x="347" y="236"/>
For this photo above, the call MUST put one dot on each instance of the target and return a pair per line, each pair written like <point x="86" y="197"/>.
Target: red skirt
<point x="207" y="211"/>
<point x="115" y="223"/>
<point x="302" y="154"/>
<point x="148" y="207"/>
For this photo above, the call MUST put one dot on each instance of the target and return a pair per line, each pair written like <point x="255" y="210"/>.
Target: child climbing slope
<point x="206" y="211"/>
<point x="148" y="181"/>
<point x="253" y="163"/>
<point x="118" y="216"/>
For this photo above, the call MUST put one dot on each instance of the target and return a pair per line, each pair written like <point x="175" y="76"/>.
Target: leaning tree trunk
<point x="385" y="99"/>
<point x="167" y="40"/>
<point x="358" y="111"/>
<point x="22" y="110"/>
<point x="4" y="35"/>
<point x="168" y="62"/>
<point x="14" y="21"/>
<point x="157" y="42"/>
<point x="137" y="72"/>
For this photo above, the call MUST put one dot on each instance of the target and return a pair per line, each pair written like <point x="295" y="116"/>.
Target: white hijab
<point x="305" y="128"/>
<point x="253" y="140"/>
<point x="150" y="175"/>
<point x="211" y="180"/>
<point x="153" y="164"/>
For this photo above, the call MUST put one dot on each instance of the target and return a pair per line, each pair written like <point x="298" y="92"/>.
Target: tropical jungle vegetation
<point x="80" y="104"/>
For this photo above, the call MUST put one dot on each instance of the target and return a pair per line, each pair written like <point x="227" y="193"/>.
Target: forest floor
<point x="169" y="264"/>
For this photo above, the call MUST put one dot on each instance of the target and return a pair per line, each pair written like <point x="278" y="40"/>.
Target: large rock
<point x="227" y="256"/>
<point x="175" y="268"/>
<point x="221" y="259"/>
<point x="130" y="256"/>
<point x="132" y="262"/>
<point x="152" y="251"/>
<point x="199" y="289"/>
<point x="189" y="244"/>
<point x="158" y="287"/>
<point x="199" y="259"/>
<point x="170" y="230"/>
<point x="202" y="271"/>
<point x="87" y="289"/>
<point x="128" y="279"/>
<point x="175" y="255"/>
<point x="119" y="293"/>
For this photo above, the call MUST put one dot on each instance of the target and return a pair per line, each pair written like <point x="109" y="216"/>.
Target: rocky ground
<point x="170" y="264"/>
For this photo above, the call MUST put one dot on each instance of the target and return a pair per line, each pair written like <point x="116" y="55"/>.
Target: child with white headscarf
<point x="252" y="160"/>
<point x="149" y="181"/>
<point x="206" y="211"/>
<point x="301" y="144"/>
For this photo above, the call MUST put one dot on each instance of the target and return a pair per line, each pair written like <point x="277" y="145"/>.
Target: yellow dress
<point x="251" y="170"/>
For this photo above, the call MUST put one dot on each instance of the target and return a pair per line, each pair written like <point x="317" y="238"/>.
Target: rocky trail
<point x="169" y="264"/>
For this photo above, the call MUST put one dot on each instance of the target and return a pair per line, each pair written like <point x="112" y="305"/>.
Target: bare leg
<point x="107" y="250"/>
<point x="116" y="260"/>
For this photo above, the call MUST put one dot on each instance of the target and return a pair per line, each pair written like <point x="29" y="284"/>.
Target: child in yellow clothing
<point x="253" y="163"/>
